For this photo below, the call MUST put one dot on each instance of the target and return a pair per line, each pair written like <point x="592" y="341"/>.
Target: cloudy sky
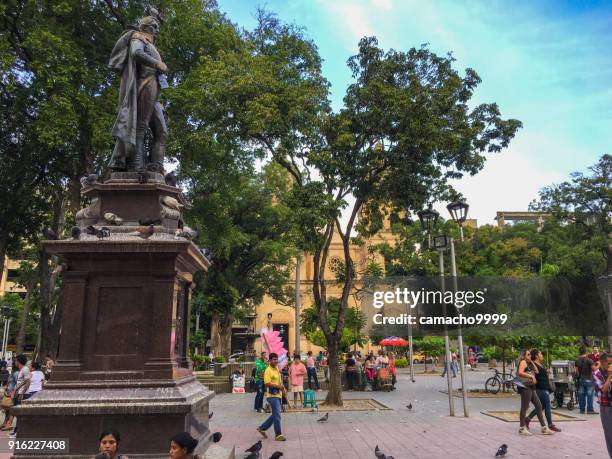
<point x="546" y="63"/>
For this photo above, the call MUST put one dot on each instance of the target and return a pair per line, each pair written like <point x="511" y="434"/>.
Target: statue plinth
<point x="123" y="356"/>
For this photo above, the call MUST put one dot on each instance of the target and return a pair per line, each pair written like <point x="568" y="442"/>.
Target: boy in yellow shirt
<point x="273" y="382"/>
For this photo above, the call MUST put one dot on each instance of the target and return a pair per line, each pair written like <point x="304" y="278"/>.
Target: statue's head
<point x="149" y="24"/>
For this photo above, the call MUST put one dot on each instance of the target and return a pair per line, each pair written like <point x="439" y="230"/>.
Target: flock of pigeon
<point x="147" y="225"/>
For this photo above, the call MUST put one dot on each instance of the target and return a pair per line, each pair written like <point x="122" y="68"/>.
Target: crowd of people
<point x="24" y="379"/>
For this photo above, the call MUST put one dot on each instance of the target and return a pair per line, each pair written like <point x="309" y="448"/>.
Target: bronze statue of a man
<point x="142" y="79"/>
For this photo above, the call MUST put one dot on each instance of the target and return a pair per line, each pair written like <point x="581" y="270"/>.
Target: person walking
<point x="312" y="372"/>
<point x="260" y="368"/>
<point x="297" y="371"/>
<point x="450" y="364"/>
<point x="542" y="389"/>
<point x="274" y="391"/>
<point x="526" y="372"/>
<point x="11" y="384"/>
<point x="584" y="373"/>
<point x="602" y="380"/>
<point x="23" y="385"/>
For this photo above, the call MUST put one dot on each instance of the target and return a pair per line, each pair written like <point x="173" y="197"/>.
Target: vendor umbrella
<point x="393" y="341"/>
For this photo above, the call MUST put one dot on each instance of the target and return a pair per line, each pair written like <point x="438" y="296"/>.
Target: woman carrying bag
<point x="543" y="389"/>
<point x="527" y="371"/>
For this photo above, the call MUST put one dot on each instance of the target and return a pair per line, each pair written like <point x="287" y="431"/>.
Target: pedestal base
<point x="146" y="418"/>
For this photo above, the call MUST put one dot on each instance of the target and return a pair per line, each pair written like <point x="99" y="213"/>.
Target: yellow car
<point x="419" y="357"/>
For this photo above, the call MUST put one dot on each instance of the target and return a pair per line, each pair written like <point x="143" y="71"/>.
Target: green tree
<point x="249" y="236"/>
<point x="405" y="129"/>
<point x="61" y="96"/>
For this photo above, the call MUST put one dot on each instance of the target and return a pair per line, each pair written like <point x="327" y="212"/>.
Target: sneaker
<point x="527" y="421"/>
<point x="260" y="410"/>
<point x="280" y="438"/>
<point x="592" y="412"/>
<point x="13" y="435"/>
<point x="554" y="428"/>
<point x="547" y="431"/>
<point x="524" y="431"/>
<point x="262" y="432"/>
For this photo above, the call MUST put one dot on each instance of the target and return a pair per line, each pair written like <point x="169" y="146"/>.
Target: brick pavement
<point x="425" y="433"/>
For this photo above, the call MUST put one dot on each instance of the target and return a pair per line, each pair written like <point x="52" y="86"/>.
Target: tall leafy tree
<point x="405" y="129"/>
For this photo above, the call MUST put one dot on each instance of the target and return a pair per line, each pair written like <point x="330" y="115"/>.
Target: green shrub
<point x="219" y="359"/>
<point x="197" y="358"/>
<point x="206" y="359"/>
<point x="401" y="363"/>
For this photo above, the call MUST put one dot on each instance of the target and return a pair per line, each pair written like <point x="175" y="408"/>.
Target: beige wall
<point x="7" y="286"/>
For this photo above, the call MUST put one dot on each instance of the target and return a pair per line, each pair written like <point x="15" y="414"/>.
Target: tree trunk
<point x="221" y="335"/>
<point x="27" y="303"/>
<point x="51" y="310"/>
<point x="334" y="396"/>
<point x="503" y="366"/>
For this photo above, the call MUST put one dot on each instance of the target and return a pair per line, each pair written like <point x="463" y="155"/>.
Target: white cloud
<point x="384" y="4"/>
<point x="352" y="18"/>
<point x="509" y="181"/>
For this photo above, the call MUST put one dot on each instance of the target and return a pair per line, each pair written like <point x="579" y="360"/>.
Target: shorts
<point x="297" y="388"/>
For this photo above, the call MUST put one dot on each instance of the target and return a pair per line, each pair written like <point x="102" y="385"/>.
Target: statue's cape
<point x="124" y="128"/>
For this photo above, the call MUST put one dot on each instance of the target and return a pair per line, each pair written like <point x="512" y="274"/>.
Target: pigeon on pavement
<point x="324" y="418"/>
<point x="254" y="448"/>
<point x="501" y="451"/>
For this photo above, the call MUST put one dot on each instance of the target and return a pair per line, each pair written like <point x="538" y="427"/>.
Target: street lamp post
<point x="428" y="218"/>
<point x="441" y="243"/>
<point x="458" y="210"/>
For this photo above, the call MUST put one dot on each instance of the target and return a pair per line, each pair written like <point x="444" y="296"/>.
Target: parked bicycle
<point x="499" y="380"/>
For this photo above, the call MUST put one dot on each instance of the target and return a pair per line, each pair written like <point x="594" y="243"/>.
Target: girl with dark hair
<point x="109" y="445"/>
<point x="182" y="446"/>
<point x="527" y="371"/>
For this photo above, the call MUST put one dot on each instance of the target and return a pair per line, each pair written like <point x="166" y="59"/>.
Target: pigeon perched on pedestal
<point x="171" y="179"/>
<point x="144" y="233"/>
<point x="88" y="180"/>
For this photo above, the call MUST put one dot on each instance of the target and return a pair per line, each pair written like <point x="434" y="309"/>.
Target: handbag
<point x="7" y="401"/>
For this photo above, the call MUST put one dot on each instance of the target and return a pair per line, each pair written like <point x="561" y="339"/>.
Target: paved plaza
<point x="426" y="432"/>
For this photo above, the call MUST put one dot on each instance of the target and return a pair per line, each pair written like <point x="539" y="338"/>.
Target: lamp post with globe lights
<point x="428" y="218"/>
<point x="458" y="210"/>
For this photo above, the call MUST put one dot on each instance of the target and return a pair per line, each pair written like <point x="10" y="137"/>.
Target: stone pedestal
<point x="123" y="358"/>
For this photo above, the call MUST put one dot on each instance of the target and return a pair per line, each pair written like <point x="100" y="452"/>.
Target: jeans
<point x="545" y="401"/>
<point x="585" y="395"/>
<point x="351" y="380"/>
<point x="326" y="373"/>
<point x="259" y="397"/>
<point x="452" y="366"/>
<point x="275" y="417"/>
<point x="528" y="394"/>
<point x="312" y="373"/>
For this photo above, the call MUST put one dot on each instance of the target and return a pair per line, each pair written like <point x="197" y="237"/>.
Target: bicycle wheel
<point x="492" y="385"/>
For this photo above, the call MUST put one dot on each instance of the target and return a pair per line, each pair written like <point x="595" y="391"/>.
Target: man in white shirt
<point x="23" y="385"/>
